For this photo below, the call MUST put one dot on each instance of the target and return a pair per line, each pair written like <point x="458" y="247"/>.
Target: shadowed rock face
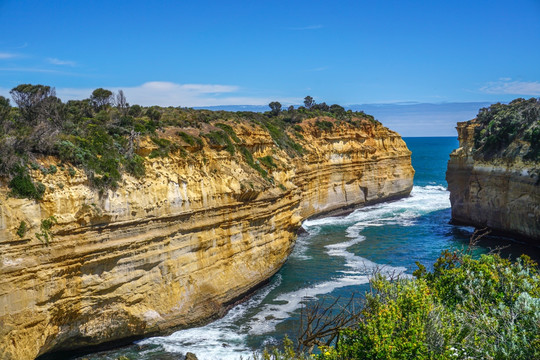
<point x="501" y="194"/>
<point x="177" y="247"/>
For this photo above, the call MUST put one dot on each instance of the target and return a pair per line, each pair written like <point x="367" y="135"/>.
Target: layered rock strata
<point x="501" y="194"/>
<point x="175" y="248"/>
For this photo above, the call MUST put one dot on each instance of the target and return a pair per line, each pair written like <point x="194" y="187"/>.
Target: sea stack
<point x="494" y="175"/>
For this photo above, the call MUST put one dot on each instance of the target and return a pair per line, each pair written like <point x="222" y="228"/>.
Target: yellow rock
<point x="501" y="195"/>
<point x="179" y="246"/>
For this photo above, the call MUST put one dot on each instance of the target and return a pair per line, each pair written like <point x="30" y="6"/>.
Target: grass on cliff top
<point x="509" y="131"/>
<point x="101" y="135"/>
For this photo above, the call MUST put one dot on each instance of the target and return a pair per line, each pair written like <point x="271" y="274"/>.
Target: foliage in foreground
<point x="466" y="308"/>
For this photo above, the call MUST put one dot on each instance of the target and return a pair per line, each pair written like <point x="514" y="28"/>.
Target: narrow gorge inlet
<point x="333" y="259"/>
<point x="261" y="180"/>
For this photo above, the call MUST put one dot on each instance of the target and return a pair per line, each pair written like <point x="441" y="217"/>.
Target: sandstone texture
<point x="177" y="247"/>
<point x="501" y="194"/>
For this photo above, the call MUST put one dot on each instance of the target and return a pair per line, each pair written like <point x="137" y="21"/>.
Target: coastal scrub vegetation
<point x="45" y="235"/>
<point x="101" y="134"/>
<point x="464" y="308"/>
<point x="22" y="229"/>
<point x="509" y="131"/>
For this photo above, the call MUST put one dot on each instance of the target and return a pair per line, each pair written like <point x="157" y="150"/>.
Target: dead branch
<point x="321" y="322"/>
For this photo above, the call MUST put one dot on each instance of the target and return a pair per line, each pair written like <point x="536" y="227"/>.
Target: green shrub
<point x="278" y="133"/>
<point x="50" y="170"/>
<point x="23" y="228"/>
<point x="135" y="166"/>
<point x="45" y="236"/>
<point x="191" y="140"/>
<point x="220" y="138"/>
<point x="229" y="130"/>
<point x="165" y="147"/>
<point x="500" y="125"/>
<point x="393" y="324"/>
<point x="268" y="161"/>
<point x="486" y="308"/>
<point x="532" y="135"/>
<point x="98" y="153"/>
<point x="161" y="142"/>
<point x="21" y="185"/>
<point x="248" y="157"/>
<point x="324" y="125"/>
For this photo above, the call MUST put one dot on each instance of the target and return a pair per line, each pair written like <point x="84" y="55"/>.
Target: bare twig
<point x="321" y="322"/>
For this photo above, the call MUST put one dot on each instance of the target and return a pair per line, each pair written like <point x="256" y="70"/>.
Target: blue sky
<point x="204" y="53"/>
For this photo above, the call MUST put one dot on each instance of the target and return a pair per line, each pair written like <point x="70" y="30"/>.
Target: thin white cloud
<point x="309" y="27"/>
<point x="507" y="86"/>
<point x="8" y="55"/>
<point x="164" y="93"/>
<point x="198" y="88"/>
<point x="56" y="61"/>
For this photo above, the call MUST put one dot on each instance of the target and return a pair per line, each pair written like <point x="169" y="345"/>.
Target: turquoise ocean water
<point x="334" y="258"/>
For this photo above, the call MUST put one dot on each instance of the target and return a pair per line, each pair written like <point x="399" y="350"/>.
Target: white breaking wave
<point x="423" y="200"/>
<point x="221" y="339"/>
<point x="357" y="264"/>
<point x="300" y="247"/>
<point x="226" y="338"/>
<point x="272" y="314"/>
<point x="286" y="304"/>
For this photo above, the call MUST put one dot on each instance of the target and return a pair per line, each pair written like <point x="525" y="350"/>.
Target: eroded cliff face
<point x="501" y="194"/>
<point x="175" y="248"/>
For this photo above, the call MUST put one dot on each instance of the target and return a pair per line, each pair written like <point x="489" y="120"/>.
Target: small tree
<point x="4" y="110"/>
<point x="30" y="98"/>
<point x="101" y="98"/>
<point x="135" y="110"/>
<point x="337" y="110"/>
<point x="308" y="102"/>
<point x="276" y="107"/>
<point x="322" y="106"/>
<point x="121" y="102"/>
<point x="153" y="114"/>
<point x="79" y="109"/>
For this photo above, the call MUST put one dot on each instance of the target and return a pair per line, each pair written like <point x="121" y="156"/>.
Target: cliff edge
<point x="494" y="175"/>
<point x="213" y="217"/>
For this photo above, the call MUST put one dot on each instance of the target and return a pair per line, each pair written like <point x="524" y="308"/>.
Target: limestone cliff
<point x="178" y="246"/>
<point x="493" y="177"/>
